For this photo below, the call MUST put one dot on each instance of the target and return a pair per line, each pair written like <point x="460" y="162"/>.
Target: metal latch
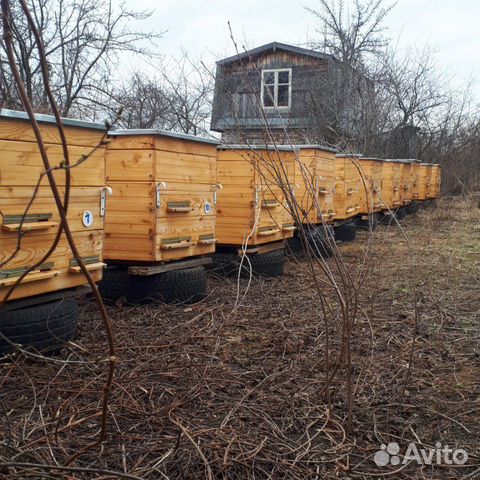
<point x="158" y="187"/>
<point x="216" y="187"/>
<point x="103" y="199"/>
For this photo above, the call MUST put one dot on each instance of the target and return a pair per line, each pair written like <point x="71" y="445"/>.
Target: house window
<point x="276" y="88"/>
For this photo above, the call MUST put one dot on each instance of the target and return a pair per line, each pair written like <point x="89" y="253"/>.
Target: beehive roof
<point x="162" y="133"/>
<point x="42" y="118"/>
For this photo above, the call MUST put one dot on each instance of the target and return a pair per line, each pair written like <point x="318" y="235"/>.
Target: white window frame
<point x="275" y="106"/>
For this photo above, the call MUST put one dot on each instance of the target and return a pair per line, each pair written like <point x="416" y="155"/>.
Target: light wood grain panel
<point x="185" y="168"/>
<point x="131" y="142"/>
<point x="175" y="145"/>
<point x="21" y="165"/>
<point x="130" y="165"/>
<point x="65" y="280"/>
<point x="11" y="129"/>
<point x="14" y="200"/>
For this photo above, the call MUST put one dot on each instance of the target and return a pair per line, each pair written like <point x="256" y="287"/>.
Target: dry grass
<point x="201" y="392"/>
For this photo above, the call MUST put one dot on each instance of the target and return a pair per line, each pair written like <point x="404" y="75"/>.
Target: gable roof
<point x="274" y="46"/>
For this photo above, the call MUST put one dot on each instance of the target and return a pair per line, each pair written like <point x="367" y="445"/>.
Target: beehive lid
<point x="41" y="118"/>
<point x="349" y="155"/>
<point x="398" y="160"/>
<point x="162" y="133"/>
<point x="404" y="160"/>
<point x="317" y="147"/>
<point x="280" y="148"/>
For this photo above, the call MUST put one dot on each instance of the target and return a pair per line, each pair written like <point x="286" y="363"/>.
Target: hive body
<point x="163" y="203"/>
<point x="347" y="187"/>
<point x="20" y="168"/>
<point x="252" y="206"/>
<point x="371" y="183"/>
<point x="315" y="184"/>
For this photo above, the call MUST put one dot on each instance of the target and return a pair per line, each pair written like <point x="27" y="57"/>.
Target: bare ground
<point x="236" y="389"/>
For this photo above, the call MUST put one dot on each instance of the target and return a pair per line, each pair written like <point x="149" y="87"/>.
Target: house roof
<point x="274" y="46"/>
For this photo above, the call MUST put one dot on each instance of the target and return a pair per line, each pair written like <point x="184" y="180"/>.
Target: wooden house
<point x="315" y="183"/>
<point x="286" y="94"/>
<point x="347" y="187"/>
<point x="163" y="205"/>
<point x="251" y="206"/>
<point x="371" y="170"/>
<point x="27" y="232"/>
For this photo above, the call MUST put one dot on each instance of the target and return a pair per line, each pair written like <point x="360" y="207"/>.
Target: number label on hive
<point x="87" y="218"/>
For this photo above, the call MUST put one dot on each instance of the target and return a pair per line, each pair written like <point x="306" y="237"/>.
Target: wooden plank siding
<point x="20" y="169"/>
<point x="371" y="184"/>
<point x="425" y="176"/>
<point x="406" y="182"/>
<point x="139" y="229"/>
<point x="315" y="180"/>
<point x="415" y="192"/>
<point x="391" y="187"/>
<point x="347" y="187"/>
<point x="436" y="180"/>
<point x="433" y="190"/>
<point x="252" y="204"/>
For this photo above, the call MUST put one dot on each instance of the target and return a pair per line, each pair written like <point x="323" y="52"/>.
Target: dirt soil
<point x="235" y="387"/>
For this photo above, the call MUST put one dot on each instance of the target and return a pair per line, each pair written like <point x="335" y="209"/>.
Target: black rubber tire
<point x="115" y="283"/>
<point x="188" y="285"/>
<point x="270" y="264"/>
<point x="412" y="208"/>
<point x="317" y="239"/>
<point x="322" y="241"/>
<point x="387" y="219"/>
<point x="401" y="213"/>
<point x="44" y="328"/>
<point x="346" y="232"/>
<point x="295" y="244"/>
<point x="224" y="263"/>
<point x="371" y="223"/>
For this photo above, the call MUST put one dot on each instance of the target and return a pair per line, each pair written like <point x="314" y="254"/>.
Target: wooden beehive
<point x="20" y="169"/>
<point x="315" y="181"/>
<point x="347" y="187"/>
<point x="406" y="172"/>
<point x="415" y="186"/>
<point x="371" y="170"/>
<point x="435" y="180"/>
<point x="163" y="203"/>
<point x="424" y="174"/>
<point x="251" y="206"/>
<point x="391" y="186"/>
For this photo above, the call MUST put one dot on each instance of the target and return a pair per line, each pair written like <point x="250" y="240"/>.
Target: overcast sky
<point x="200" y="26"/>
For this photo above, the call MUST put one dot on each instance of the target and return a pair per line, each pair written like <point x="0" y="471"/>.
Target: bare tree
<point x="352" y="36"/>
<point x="83" y="40"/>
<point x="178" y="97"/>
